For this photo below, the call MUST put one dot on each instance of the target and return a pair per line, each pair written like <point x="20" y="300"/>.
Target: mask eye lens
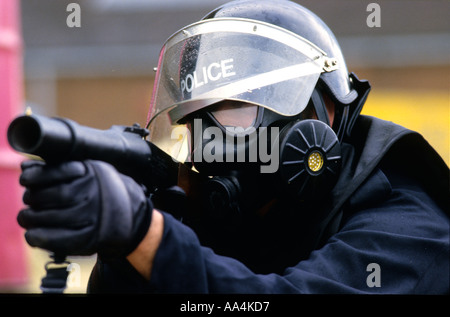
<point x="235" y="114"/>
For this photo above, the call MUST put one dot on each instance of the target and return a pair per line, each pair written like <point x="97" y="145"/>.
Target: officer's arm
<point x="142" y="257"/>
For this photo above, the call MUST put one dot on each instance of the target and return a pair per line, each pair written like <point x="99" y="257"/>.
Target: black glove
<point x="82" y="208"/>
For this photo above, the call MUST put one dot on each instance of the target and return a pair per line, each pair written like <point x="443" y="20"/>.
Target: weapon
<point x="59" y="139"/>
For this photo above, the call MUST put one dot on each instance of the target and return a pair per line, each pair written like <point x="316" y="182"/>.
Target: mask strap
<point x="319" y="107"/>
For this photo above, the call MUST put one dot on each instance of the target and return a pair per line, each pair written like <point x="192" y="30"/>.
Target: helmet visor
<point x="230" y="59"/>
<point x="235" y="59"/>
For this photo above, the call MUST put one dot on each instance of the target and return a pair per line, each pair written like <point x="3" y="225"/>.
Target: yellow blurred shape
<point x="426" y="112"/>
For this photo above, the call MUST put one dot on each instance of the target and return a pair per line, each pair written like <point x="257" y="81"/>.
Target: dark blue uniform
<point x="383" y="229"/>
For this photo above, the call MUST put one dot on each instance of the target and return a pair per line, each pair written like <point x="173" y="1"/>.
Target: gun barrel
<point x="58" y="139"/>
<point x="41" y="136"/>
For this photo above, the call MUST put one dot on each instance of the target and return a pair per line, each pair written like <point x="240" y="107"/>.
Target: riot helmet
<point x="248" y="66"/>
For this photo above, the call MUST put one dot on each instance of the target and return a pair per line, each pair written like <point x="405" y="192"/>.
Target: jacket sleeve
<point x="400" y="245"/>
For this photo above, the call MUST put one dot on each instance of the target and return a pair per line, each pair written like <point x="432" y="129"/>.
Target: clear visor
<point x="234" y="59"/>
<point x="235" y="114"/>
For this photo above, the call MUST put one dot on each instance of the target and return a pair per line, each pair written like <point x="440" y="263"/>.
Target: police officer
<point x="299" y="192"/>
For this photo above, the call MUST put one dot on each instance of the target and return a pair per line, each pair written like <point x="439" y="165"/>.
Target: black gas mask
<point x="268" y="157"/>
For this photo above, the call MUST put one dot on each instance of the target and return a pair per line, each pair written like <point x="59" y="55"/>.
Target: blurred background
<point x="101" y="73"/>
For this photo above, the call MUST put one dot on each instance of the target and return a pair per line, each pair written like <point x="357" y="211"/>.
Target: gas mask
<point x="266" y="157"/>
<point x="232" y="98"/>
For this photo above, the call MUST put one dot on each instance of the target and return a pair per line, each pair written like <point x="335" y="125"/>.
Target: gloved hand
<point x="80" y="208"/>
